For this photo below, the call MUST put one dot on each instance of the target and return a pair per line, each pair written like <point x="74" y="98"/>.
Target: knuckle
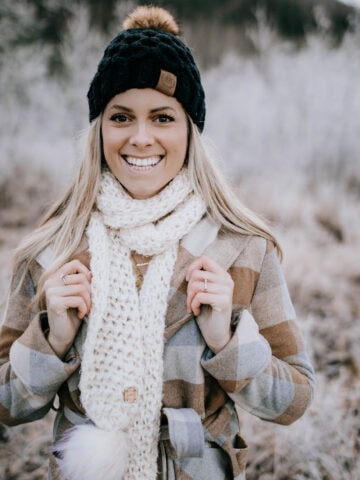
<point x="75" y="264"/>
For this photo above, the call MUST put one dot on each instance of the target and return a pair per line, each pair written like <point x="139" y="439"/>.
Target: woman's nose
<point x="141" y="136"/>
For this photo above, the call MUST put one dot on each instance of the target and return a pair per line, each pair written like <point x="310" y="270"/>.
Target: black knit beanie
<point x="148" y="58"/>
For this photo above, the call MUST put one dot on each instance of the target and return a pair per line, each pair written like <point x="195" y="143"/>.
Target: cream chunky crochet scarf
<point x="122" y="364"/>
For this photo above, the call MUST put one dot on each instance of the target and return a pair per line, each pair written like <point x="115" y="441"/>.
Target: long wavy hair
<point x="223" y="204"/>
<point x="63" y="226"/>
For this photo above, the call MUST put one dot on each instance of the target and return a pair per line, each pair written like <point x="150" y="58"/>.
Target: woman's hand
<point x="209" y="284"/>
<point x="68" y="299"/>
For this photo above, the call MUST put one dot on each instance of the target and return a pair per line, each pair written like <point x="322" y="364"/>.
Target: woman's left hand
<point x="209" y="284"/>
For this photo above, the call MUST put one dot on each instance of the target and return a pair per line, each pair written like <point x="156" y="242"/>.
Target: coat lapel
<point x="204" y="239"/>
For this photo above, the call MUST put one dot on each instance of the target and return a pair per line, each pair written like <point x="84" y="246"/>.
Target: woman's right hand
<point x="68" y="299"/>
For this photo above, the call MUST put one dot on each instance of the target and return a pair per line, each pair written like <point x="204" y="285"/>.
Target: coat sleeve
<point x="265" y="368"/>
<point x="30" y="371"/>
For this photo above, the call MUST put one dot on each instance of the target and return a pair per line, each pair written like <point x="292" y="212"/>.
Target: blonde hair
<point x="223" y="204"/>
<point x="64" y="224"/>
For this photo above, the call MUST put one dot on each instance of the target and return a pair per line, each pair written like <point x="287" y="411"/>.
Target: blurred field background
<point x="283" y="116"/>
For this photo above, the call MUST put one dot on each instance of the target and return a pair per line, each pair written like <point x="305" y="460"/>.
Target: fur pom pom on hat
<point x="148" y="53"/>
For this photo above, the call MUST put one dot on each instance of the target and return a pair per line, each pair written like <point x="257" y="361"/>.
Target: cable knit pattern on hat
<point x="135" y="58"/>
<point x="124" y="344"/>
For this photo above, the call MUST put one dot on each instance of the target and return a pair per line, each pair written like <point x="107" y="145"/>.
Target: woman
<point x="150" y="300"/>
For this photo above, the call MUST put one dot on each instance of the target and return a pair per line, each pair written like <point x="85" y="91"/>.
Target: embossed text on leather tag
<point x="167" y="83"/>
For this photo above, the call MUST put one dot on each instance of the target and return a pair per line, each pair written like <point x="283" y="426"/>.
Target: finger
<point x="59" y="305"/>
<point x="79" y="285"/>
<point x="195" y="265"/>
<point x="75" y="278"/>
<point x="202" y="275"/>
<point x="77" y="303"/>
<point x="63" y="292"/>
<point x="80" y="290"/>
<point x="202" y="281"/>
<point x="206" y="287"/>
<point x="210" y="291"/>
<point x="207" y="282"/>
<point x="210" y="265"/>
<point x="85" y="293"/>
<point x="203" y="298"/>
<point x="197" y="286"/>
<point x="204" y="263"/>
<point x="75" y="266"/>
<point x="219" y="282"/>
<point x="82" y="310"/>
<point x="195" y="305"/>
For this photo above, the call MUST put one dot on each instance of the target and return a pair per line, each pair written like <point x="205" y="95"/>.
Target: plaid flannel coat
<point x="264" y="369"/>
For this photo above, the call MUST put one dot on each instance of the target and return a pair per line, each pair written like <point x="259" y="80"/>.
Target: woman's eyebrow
<point x="153" y="110"/>
<point x="120" y="107"/>
<point x="158" y="109"/>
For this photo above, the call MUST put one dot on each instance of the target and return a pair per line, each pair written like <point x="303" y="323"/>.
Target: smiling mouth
<point x="142" y="163"/>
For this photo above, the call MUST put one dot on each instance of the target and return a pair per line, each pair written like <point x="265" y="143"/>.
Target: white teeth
<point x="143" y="162"/>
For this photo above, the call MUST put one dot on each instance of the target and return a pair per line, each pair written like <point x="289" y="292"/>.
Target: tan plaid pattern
<point x="264" y="369"/>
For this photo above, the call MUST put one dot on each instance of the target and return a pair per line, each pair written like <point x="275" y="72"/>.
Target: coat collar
<point x="206" y="238"/>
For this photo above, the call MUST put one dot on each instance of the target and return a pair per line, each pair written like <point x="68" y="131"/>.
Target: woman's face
<point x="144" y="140"/>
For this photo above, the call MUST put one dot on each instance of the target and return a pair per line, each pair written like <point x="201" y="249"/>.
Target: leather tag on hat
<point x="167" y="83"/>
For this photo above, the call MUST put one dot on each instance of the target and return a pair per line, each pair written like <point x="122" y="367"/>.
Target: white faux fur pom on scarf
<point x="90" y="453"/>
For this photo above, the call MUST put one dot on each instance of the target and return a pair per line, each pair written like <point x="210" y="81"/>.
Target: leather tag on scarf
<point x="130" y="395"/>
<point x="167" y="83"/>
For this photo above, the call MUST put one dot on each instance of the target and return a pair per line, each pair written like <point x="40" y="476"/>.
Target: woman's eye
<point x="164" y="118"/>
<point x="119" y="117"/>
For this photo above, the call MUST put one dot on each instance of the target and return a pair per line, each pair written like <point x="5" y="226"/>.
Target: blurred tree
<point x="40" y="22"/>
<point x="291" y="18"/>
<point x="102" y="13"/>
<point x="46" y="22"/>
<point x="340" y="20"/>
